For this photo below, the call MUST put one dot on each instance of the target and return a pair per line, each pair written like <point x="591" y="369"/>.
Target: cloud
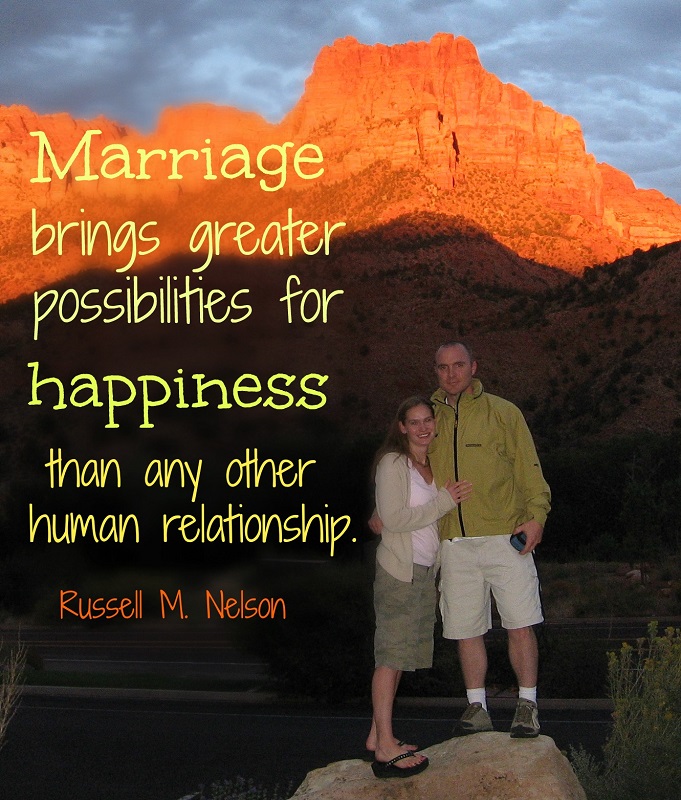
<point x="614" y="65"/>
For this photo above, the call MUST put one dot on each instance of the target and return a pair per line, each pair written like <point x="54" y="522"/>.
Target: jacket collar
<point x="440" y="396"/>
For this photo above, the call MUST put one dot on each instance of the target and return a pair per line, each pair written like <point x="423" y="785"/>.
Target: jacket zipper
<point x="456" y="461"/>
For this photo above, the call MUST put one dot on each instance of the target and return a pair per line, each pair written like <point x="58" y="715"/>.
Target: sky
<point x="614" y="65"/>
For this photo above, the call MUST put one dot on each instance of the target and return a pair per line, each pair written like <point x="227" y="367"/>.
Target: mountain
<point x="419" y="127"/>
<point x="493" y="154"/>
<point x="587" y="358"/>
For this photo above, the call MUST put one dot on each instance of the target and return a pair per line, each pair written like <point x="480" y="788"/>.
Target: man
<point x="485" y="440"/>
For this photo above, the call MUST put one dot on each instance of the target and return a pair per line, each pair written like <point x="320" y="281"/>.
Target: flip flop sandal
<point x="369" y="754"/>
<point x="387" y="769"/>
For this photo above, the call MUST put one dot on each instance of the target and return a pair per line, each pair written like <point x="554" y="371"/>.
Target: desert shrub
<point x="12" y="660"/>
<point x="241" y="789"/>
<point x="642" y="757"/>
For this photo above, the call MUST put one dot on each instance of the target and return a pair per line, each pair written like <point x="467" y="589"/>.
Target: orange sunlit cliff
<point x="417" y="127"/>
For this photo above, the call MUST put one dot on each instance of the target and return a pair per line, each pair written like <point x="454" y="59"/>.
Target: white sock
<point x="527" y="693"/>
<point x="477" y="696"/>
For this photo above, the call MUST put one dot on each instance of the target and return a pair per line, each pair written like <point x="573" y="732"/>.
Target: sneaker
<point x="525" y="723"/>
<point x="473" y="720"/>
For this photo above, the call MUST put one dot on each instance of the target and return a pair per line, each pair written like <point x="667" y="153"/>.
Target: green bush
<point x="642" y="757"/>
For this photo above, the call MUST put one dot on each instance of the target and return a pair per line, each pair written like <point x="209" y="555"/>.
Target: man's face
<point x="454" y="369"/>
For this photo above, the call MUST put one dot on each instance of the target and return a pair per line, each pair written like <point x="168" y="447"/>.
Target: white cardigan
<point x="393" y="482"/>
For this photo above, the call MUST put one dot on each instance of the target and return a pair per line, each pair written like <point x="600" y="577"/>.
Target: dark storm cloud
<point x="613" y="65"/>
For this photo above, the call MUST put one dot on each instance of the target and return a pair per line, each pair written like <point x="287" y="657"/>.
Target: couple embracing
<point x="459" y="491"/>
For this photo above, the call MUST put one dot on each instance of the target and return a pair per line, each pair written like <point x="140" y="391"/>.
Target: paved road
<point x="146" y="747"/>
<point x="207" y="653"/>
<point x="200" y="653"/>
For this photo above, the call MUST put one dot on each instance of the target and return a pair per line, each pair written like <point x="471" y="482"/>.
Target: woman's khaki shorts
<point x="472" y="570"/>
<point x="405" y="618"/>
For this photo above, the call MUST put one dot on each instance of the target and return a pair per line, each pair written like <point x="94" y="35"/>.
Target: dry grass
<point x="12" y="666"/>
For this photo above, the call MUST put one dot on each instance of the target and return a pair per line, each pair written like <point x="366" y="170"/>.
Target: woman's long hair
<point x="396" y="441"/>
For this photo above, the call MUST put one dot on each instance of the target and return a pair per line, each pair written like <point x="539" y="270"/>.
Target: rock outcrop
<point x="427" y="104"/>
<point x="488" y="766"/>
<point x="18" y="150"/>
<point x="431" y="106"/>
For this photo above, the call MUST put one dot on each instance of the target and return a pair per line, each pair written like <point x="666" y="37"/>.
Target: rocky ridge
<point x="433" y="107"/>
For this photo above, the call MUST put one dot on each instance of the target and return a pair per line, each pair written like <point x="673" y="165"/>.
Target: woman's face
<point x="419" y="426"/>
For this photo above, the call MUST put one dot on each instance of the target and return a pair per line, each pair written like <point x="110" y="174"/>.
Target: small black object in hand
<point x="518" y="540"/>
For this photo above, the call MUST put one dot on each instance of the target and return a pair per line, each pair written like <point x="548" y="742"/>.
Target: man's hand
<point x="534" y="532"/>
<point x="376" y="524"/>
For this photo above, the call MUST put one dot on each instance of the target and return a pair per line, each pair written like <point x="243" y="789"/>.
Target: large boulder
<point x="487" y="766"/>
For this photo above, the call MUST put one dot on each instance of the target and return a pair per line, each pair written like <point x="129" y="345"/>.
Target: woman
<point x="408" y="503"/>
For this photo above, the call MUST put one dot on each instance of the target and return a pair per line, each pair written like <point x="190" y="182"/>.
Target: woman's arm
<point x="392" y="498"/>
